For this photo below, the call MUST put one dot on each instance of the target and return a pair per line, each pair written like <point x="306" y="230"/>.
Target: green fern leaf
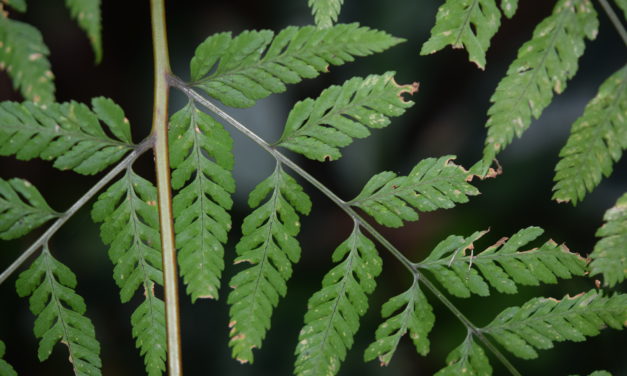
<point x="333" y="313"/>
<point x="541" y="321"/>
<point x="468" y="24"/>
<point x="24" y="56"/>
<point x="466" y="359"/>
<point x="325" y="12"/>
<point x="69" y="133"/>
<point x="148" y="323"/>
<point x="202" y="160"/>
<point x="597" y="140"/>
<point x="502" y="265"/>
<point x="5" y="368"/>
<point x="435" y="183"/>
<point x="87" y="14"/>
<point x="316" y="128"/>
<point x="22" y="208"/>
<point x="609" y="256"/>
<point x="19" y="5"/>
<point x="543" y="66"/>
<point x="239" y="71"/>
<point x="60" y="313"/>
<point x="269" y="245"/>
<point x="416" y="317"/>
<point x="131" y="227"/>
<point x="509" y="7"/>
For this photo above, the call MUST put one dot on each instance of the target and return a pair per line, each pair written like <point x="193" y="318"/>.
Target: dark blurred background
<point x="448" y="118"/>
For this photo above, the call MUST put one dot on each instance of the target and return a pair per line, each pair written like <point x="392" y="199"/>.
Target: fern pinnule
<point x="325" y="12"/>
<point x="456" y="265"/>
<point x="25" y="57"/>
<point x="434" y="183"/>
<point x="240" y="70"/>
<point x="469" y="24"/>
<point x="333" y="313"/>
<point x="60" y="313"/>
<point x="542" y="321"/>
<point x="5" y="368"/>
<point x="317" y="127"/>
<point x="130" y="226"/>
<point x="22" y="208"/>
<point x="596" y="142"/>
<point x="509" y="7"/>
<point x="609" y="256"/>
<point x="70" y="133"/>
<point x="467" y="359"/>
<point x="269" y="244"/>
<point x="416" y="317"/>
<point x="201" y="160"/>
<point x="543" y="66"/>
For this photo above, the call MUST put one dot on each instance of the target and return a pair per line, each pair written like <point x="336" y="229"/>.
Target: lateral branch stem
<point x="140" y="149"/>
<point x="412" y="267"/>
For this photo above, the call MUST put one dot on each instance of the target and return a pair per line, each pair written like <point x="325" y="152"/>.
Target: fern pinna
<point x="240" y="70"/>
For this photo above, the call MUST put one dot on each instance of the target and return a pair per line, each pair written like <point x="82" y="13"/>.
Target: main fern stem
<point x="45" y="237"/>
<point x="164" y="194"/>
<point x="412" y="267"/>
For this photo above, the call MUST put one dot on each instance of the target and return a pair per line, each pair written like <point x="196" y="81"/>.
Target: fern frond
<point x="269" y="244"/>
<point x="502" y="265"/>
<point x="60" y="313"/>
<point x="467" y="359"/>
<point x="22" y="208"/>
<point x="201" y="158"/>
<point x="542" y="321"/>
<point x="609" y="256"/>
<point x="333" y="313"/>
<point x="468" y="24"/>
<point x="317" y="127"/>
<point x="5" y="368"/>
<point x="325" y="12"/>
<point x="416" y="317"/>
<point x="24" y="56"/>
<point x="434" y="183"/>
<point x="87" y="14"/>
<point x="19" y="5"/>
<point x="239" y="71"/>
<point x="131" y="227"/>
<point x="69" y="133"/>
<point x="597" y="140"/>
<point x="509" y="7"/>
<point x="543" y="66"/>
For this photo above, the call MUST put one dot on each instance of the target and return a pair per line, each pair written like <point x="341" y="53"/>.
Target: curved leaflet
<point x="68" y="133"/>
<point x="596" y="142"/>
<point x="456" y="265"/>
<point x="543" y="66"/>
<point x="325" y="12"/>
<point x="333" y="313"/>
<point x="435" y="183"/>
<point x="468" y="24"/>
<point x="130" y="226"/>
<point x="240" y="70"/>
<point x="542" y="321"/>
<point x="416" y="317"/>
<point x="60" y="313"/>
<point x="269" y="245"/>
<point x="201" y="160"/>
<point x="317" y="127"/>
